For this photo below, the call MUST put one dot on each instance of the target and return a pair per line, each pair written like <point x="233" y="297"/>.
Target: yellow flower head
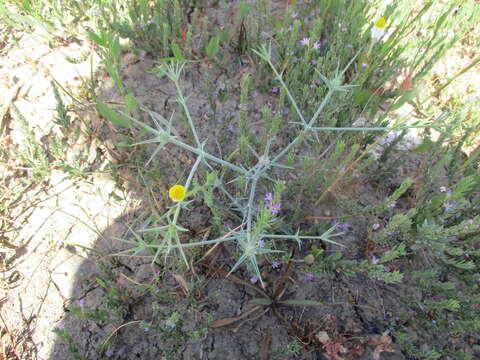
<point x="177" y="192"/>
<point x="380" y="23"/>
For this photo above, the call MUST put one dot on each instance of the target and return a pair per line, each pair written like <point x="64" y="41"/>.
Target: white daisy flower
<point x="378" y="30"/>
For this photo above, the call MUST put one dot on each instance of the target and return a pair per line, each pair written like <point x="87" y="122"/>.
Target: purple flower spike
<point x="276" y="265"/>
<point x="310" y="276"/>
<point x="305" y="41"/>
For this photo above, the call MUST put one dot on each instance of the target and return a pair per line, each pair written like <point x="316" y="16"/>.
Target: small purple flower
<point x="255" y="94"/>
<point x="314" y="62"/>
<point x="315" y="12"/>
<point x="294" y="14"/>
<point x="268" y="197"/>
<point x="342" y="226"/>
<point x="274" y="90"/>
<point x="141" y="55"/>
<point x="449" y="205"/>
<point x="276" y="265"/>
<point x="316" y="45"/>
<point x="376" y="226"/>
<point x="275" y="208"/>
<point x="393" y="204"/>
<point x="261" y="243"/>
<point x="364" y="65"/>
<point x="80" y="302"/>
<point x="142" y="24"/>
<point x="305" y="41"/>
<point x="374" y="260"/>
<point x="254" y="279"/>
<point x="295" y="60"/>
<point x="310" y="276"/>
<point x="318" y="82"/>
<point x="306" y="20"/>
<point x="286" y="111"/>
<point x="153" y="20"/>
<point x="109" y="353"/>
<point x="281" y="31"/>
<point x="60" y="326"/>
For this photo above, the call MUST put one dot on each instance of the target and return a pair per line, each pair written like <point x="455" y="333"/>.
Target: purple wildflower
<point x="268" y="197"/>
<point x="261" y="243"/>
<point x="316" y="45"/>
<point x="449" y="205"/>
<point x="364" y="65"/>
<point x="281" y="31"/>
<point x="80" y="302"/>
<point x="275" y="208"/>
<point x="254" y="279"/>
<point x="109" y="353"/>
<point x="306" y="20"/>
<point x="310" y="276"/>
<point x="276" y="265"/>
<point x="376" y="226"/>
<point x="295" y="60"/>
<point x="314" y="62"/>
<point x="374" y="260"/>
<point x="314" y="12"/>
<point x="274" y="90"/>
<point x="342" y="226"/>
<point x="153" y="20"/>
<point x="318" y="82"/>
<point x="305" y="41"/>
<point x="294" y="14"/>
<point x="255" y="94"/>
<point x="142" y="24"/>
<point x="286" y="111"/>
<point x="393" y="204"/>
<point x="141" y="55"/>
<point x="60" y="326"/>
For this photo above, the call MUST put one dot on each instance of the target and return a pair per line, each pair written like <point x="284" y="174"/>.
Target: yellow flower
<point x="177" y="192"/>
<point x="378" y="30"/>
<point x="380" y="23"/>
